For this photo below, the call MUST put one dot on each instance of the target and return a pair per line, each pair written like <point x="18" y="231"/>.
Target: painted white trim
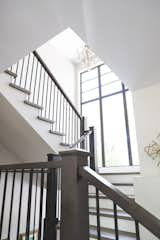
<point x="122" y="169"/>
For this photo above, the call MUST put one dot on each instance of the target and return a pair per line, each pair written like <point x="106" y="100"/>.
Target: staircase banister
<point x="137" y="212"/>
<point x="82" y="138"/>
<point x="31" y="165"/>
<point x="56" y="82"/>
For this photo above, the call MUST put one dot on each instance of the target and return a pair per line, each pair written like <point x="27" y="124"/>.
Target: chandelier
<point x="87" y="58"/>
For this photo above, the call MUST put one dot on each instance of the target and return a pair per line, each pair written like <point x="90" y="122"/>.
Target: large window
<point x="107" y="104"/>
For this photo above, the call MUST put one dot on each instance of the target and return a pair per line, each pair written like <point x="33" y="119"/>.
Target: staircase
<point x="123" y="179"/>
<point x="45" y="120"/>
<point x="40" y="109"/>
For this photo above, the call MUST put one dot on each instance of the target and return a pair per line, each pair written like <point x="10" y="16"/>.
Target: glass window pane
<point x="89" y="75"/>
<point x="111" y="88"/>
<point x="108" y="78"/>
<point x="115" y="141"/>
<point x="90" y="85"/>
<point x="104" y="69"/>
<point x="89" y="95"/>
<point x="91" y="111"/>
<point x="132" y="128"/>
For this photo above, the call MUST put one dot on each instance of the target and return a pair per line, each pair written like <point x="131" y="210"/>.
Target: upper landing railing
<point x="42" y="199"/>
<point x="32" y="76"/>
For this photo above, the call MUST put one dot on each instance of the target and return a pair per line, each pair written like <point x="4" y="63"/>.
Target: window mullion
<point x="101" y="117"/>
<point x="127" y="126"/>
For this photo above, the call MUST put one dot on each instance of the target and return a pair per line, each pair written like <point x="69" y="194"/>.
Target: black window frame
<point x="126" y="118"/>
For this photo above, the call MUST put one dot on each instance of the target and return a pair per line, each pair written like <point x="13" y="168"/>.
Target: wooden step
<point x="104" y="202"/>
<point x="109" y="213"/>
<point x="56" y="133"/>
<point x="13" y="85"/>
<point x="125" y="188"/>
<point x="65" y="144"/>
<point x="109" y="234"/>
<point x="9" y="72"/>
<point x="124" y="170"/>
<point x="33" y="104"/>
<point x="102" y="196"/>
<point x="126" y="225"/>
<point x="46" y="120"/>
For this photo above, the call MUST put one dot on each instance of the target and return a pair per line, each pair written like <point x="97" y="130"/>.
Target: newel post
<point x="51" y="201"/>
<point x="74" y="203"/>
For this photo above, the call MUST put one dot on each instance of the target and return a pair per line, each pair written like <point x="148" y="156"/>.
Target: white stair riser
<point x="126" y="178"/>
<point x="106" y="222"/>
<point x="104" y="203"/>
<point x="129" y="190"/>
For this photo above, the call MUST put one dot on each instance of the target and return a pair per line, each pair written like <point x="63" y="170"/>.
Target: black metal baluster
<point x="20" y="204"/>
<point x="137" y="230"/>
<point x="31" y="80"/>
<point x="115" y="221"/>
<point x="11" y="206"/>
<point x="60" y="112"/>
<point x="63" y="114"/>
<point x="46" y="97"/>
<point x="35" y="206"/>
<point x="57" y="110"/>
<point x="75" y="127"/>
<point x="39" y="85"/>
<point x="35" y="84"/>
<point x="25" y="84"/>
<point x="21" y="75"/>
<point x="53" y="108"/>
<point x="98" y="215"/>
<point x="41" y="205"/>
<point x="77" y="131"/>
<point x="58" y="193"/>
<point x="3" y="203"/>
<point x="49" y="116"/>
<point x="43" y="93"/>
<point x="29" y="204"/>
<point x="15" y="79"/>
<point x="65" y="122"/>
<point x="72" y="128"/>
<point x="69" y="112"/>
<point x="66" y="127"/>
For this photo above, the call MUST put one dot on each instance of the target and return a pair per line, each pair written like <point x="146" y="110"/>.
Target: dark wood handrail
<point x="55" y="81"/>
<point x="81" y="139"/>
<point x="139" y="214"/>
<point x="32" y="165"/>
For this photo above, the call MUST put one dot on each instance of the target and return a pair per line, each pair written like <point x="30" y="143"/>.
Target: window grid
<point x="100" y="98"/>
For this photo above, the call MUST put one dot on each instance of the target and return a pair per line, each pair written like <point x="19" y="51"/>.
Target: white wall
<point x="62" y="68"/>
<point x="6" y="156"/>
<point x="146" y="103"/>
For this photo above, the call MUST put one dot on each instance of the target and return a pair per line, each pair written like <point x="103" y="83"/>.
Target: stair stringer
<point x="27" y="136"/>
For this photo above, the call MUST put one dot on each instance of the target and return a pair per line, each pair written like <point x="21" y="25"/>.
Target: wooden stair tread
<point x="109" y="213"/>
<point x="109" y="234"/>
<point x="24" y="90"/>
<point x="33" y="104"/>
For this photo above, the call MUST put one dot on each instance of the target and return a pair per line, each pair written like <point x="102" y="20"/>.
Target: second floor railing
<point x="32" y="75"/>
<point x="49" y="199"/>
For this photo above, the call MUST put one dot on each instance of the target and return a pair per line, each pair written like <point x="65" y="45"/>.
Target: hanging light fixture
<point x="87" y="57"/>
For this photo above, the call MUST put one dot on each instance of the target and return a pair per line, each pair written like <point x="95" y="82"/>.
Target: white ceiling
<point x="124" y="33"/>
